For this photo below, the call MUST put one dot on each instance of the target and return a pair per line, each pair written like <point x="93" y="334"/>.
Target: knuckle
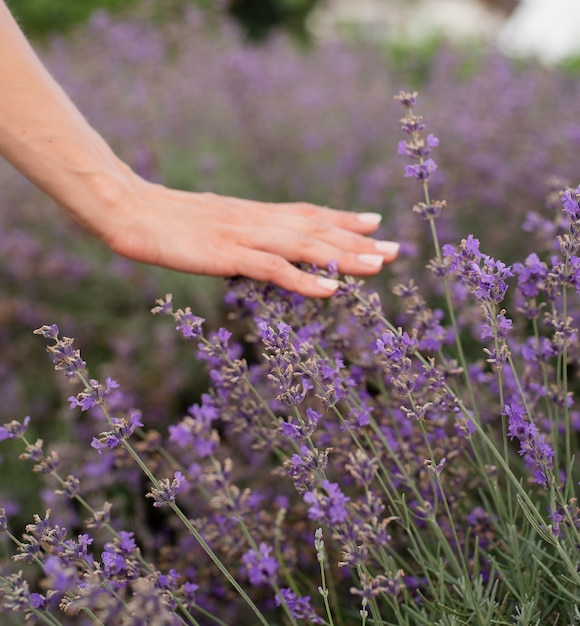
<point x="276" y="266"/>
<point x="208" y="195"/>
<point x="320" y="228"/>
<point x="305" y="209"/>
<point x="301" y="282"/>
<point x="305" y="243"/>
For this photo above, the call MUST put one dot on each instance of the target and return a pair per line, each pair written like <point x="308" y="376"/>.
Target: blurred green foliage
<point x="259" y="17"/>
<point x="571" y="64"/>
<point x="39" y="18"/>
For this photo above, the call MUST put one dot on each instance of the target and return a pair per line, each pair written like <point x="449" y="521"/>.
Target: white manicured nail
<point x="371" y="259"/>
<point x="327" y="283"/>
<point x="370" y="218"/>
<point x="388" y="247"/>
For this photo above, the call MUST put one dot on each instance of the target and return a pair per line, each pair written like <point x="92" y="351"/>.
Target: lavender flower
<point x="531" y="275"/>
<point x="419" y="149"/>
<point x="304" y="467"/>
<point x="195" y="430"/>
<point x="122" y="430"/>
<point x="94" y="395"/>
<point x="260" y="566"/>
<point x="299" y="606"/>
<point x="64" y="356"/>
<point x="16" y="595"/>
<point x="189" y="325"/>
<point x="373" y="586"/>
<point x="421" y="171"/>
<point x="301" y="428"/>
<point x="329" y="505"/>
<point x="484" y="276"/>
<point x="571" y="205"/>
<point x="533" y="445"/>
<point x="166" y="492"/>
<point x="14" y="430"/>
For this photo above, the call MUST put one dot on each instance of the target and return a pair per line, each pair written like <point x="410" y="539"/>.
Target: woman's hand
<point x="44" y="135"/>
<point x="204" y="233"/>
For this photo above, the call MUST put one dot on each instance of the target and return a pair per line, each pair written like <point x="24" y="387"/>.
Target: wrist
<point x="107" y="200"/>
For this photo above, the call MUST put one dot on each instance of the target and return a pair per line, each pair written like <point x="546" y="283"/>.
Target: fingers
<point x="354" y="253"/>
<point x="265" y="266"/>
<point x="305" y="232"/>
<point x="364" y="223"/>
<point x="267" y="213"/>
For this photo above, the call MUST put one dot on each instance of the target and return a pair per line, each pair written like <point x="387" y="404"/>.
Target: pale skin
<point x="45" y="136"/>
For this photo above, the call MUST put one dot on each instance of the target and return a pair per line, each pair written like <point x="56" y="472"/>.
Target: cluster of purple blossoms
<point x="17" y="597"/>
<point x="188" y="324"/>
<point x="395" y="351"/>
<point x="165" y="493"/>
<point x="121" y="431"/>
<point x="290" y="376"/>
<point x="301" y="428"/>
<point x="484" y="276"/>
<point x="64" y="357"/>
<point x="531" y="275"/>
<point x="196" y="430"/>
<point x="14" y="429"/>
<point x="261" y="567"/>
<point x="94" y="395"/>
<point x="306" y="466"/>
<point x="431" y="334"/>
<point x="328" y="503"/>
<point x="373" y="586"/>
<point x="533" y="445"/>
<point x="300" y="607"/>
<point x="571" y="206"/>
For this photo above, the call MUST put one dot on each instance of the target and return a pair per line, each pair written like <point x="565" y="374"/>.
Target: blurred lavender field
<point x="193" y="105"/>
<point x="196" y="107"/>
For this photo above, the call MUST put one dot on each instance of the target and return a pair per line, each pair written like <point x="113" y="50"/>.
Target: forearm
<point x="45" y="137"/>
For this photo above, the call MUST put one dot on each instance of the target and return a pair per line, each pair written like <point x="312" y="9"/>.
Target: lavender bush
<point x="346" y="465"/>
<point x="439" y="463"/>
<point x="192" y="104"/>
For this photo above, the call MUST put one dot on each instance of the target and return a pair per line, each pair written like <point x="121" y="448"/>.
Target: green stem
<point x="183" y="518"/>
<point x="324" y="593"/>
<point x="198" y="537"/>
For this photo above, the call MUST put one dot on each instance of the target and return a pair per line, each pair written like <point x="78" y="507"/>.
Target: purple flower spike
<point x="64" y="357"/>
<point x="533" y="445"/>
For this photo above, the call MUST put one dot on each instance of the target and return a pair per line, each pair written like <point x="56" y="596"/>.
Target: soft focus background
<point x="276" y="100"/>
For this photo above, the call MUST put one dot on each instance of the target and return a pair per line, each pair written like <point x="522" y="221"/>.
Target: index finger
<point x="363" y="222"/>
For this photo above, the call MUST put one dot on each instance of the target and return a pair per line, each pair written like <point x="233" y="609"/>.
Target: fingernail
<point x="370" y="218"/>
<point x="328" y="283"/>
<point x="371" y="259"/>
<point x="388" y="247"/>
